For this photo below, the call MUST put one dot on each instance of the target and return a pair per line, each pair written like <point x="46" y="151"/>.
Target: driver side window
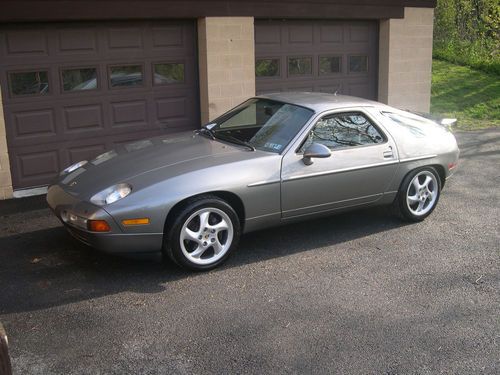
<point x="342" y="130"/>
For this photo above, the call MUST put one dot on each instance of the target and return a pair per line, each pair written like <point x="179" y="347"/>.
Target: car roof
<point x="319" y="102"/>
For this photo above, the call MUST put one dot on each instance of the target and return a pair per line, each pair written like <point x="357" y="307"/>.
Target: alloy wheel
<point x="206" y="236"/>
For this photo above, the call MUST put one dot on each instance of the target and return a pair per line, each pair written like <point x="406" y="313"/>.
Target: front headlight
<point x="111" y="194"/>
<point x="73" y="167"/>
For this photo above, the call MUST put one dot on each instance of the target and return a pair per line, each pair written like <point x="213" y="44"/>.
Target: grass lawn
<point x="471" y="96"/>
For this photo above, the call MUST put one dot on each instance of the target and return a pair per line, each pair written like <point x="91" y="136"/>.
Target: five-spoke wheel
<point x="206" y="235"/>
<point x="419" y="194"/>
<point x="422" y="193"/>
<point x="203" y="233"/>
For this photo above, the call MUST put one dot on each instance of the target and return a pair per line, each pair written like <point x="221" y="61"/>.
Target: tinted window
<point x="79" y="79"/>
<point x="358" y="64"/>
<point x="267" y="68"/>
<point x="29" y="83"/>
<point x="330" y="64"/>
<point x="299" y="65"/>
<point x="126" y="76"/>
<point x="344" y="130"/>
<point x="264" y="124"/>
<point x="168" y="73"/>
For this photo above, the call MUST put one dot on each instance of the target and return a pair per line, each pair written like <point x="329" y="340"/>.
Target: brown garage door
<point x="71" y="91"/>
<point x="326" y="56"/>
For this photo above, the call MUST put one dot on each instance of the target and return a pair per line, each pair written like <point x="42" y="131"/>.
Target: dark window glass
<point x="168" y="73"/>
<point x="344" y="130"/>
<point x="79" y="79"/>
<point x="29" y="83"/>
<point x="264" y="124"/>
<point x="358" y="64"/>
<point x="126" y="76"/>
<point x="267" y="68"/>
<point x="330" y="64"/>
<point x="299" y="65"/>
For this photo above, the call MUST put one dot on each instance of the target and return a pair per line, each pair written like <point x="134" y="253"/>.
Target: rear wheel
<point x="203" y="234"/>
<point x="419" y="194"/>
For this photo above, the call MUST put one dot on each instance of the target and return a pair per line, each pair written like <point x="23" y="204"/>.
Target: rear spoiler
<point x="443" y="121"/>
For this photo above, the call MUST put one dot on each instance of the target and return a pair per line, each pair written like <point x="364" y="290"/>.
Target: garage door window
<point x="330" y="65"/>
<point x="358" y="64"/>
<point x="126" y="76"/>
<point x="79" y="79"/>
<point x="168" y="73"/>
<point x="29" y="83"/>
<point x="267" y="68"/>
<point x="299" y="66"/>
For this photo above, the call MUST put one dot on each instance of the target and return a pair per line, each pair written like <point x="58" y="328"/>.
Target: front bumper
<point x="115" y="241"/>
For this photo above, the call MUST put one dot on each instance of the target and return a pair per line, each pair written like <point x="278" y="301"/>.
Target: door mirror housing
<point x="315" y="150"/>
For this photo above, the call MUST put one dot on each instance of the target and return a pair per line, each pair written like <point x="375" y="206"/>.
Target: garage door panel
<point x="359" y="33"/>
<point x="331" y="33"/>
<point x="300" y="34"/>
<point x="26" y="42"/>
<point x="34" y="166"/>
<point x="317" y="56"/>
<point x="268" y="35"/>
<point x="34" y="124"/>
<point x="84" y="96"/>
<point x="330" y="88"/>
<point x="81" y="118"/>
<point x="71" y="41"/>
<point x="167" y="37"/>
<point x="87" y="152"/>
<point x="129" y="113"/>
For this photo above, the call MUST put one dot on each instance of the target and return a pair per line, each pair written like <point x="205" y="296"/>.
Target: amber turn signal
<point x="98" y="226"/>
<point x="140" y="221"/>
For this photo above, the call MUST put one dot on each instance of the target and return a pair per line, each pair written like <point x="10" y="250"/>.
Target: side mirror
<point x="315" y="150"/>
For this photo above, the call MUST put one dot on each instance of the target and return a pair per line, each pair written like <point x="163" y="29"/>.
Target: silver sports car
<point x="272" y="160"/>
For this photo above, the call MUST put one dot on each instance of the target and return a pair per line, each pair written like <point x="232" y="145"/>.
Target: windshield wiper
<point x="206" y="131"/>
<point x="232" y="139"/>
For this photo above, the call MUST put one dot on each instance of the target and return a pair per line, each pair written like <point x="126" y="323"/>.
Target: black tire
<point x="401" y="205"/>
<point x="172" y="246"/>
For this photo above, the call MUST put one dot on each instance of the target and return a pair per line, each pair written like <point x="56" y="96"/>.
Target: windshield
<point x="262" y="123"/>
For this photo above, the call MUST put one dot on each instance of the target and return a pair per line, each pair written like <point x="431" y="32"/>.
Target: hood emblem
<point x="73" y="183"/>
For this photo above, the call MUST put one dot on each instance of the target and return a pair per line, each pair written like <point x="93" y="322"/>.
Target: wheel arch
<point x="441" y="172"/>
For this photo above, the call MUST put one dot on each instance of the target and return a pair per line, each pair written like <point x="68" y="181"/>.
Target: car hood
<point x="132" y="160"/>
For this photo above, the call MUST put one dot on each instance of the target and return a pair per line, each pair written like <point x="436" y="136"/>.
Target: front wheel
<point x="419" y="194"/>
<point x="203" y="234"/>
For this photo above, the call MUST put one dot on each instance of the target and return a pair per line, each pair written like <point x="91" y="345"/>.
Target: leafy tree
<point x="467" y="32"/>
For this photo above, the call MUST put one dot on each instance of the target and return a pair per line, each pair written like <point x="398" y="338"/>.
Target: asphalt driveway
<point x="359" y="293"/>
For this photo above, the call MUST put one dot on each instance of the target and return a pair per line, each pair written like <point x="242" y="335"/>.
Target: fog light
<point x="98" y="226"/>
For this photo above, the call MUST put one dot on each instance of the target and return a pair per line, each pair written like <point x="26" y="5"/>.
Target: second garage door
<point x="326" y="56"/>
<point x="71" y="91"/>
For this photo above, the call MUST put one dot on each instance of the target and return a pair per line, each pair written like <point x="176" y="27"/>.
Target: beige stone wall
<point x="5" y="177"/>
<point x="227" y="63"/>
<point x="406" y="60"/>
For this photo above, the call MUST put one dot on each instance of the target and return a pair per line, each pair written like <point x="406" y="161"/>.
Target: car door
<point x="362" y="164"/>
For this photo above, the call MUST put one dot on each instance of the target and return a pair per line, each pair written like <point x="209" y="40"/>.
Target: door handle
<point x="388" y="154"/>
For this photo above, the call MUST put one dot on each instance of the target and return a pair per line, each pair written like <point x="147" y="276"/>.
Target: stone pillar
<point x="5" y="176"/>
<point x="226" y="51"/>
<point x="405" y="54"/>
